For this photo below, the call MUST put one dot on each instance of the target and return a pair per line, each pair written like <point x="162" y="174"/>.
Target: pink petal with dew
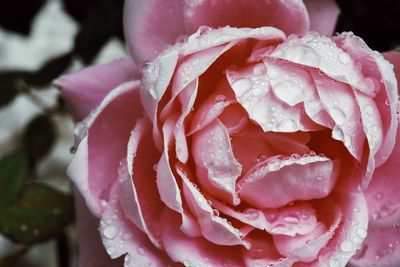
<point x="351" y="231"/>
<point x="213" y="106"/>
<point x="91" y="250"/>
<point x="274" y="182"/>
<point x="167" y="184"/>
<point x="380" y="248"/>
<point x="94" y="167"/>
<point x="216" y="167"/>
<point x="139" y="194"/>
<point x="252" y="89"/>
<point x="338" y="100"/>
<point x="84" y="90"/>
<point x="306" y="247"/>
<point x="150" y="26"/>
<point x="213" y="227"/>
<point x="263" y="253"/>
<point x="121" y="237"/>
<point x="292" y="84"/>
<point x="323" y="15"/>
<point x="300" y="218"/>
<point x="382" y="195"/>
<point x="195" y="251"/>
<point x="379" y="75"/>
<point x="290" y="16"/>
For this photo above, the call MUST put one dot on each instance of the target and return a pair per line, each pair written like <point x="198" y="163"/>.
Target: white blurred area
<point x="52" y="34"/>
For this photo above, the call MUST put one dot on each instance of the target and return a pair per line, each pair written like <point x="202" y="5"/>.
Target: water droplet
<point x="140" y="250"/>
<point x="334" y="263"/>
<point x="251" y="214"/>
<point x="220" y="98"/>
<point x="289" y="92"/>
<point x="304" y="216"/>
<point x="155" y="167"/>
<point x="215" y="212"/>
<point x="319" y="178"/>
<point x="291" y="219"/>
<point x="374" y="128"/>
<point x="261" y="157"/>
<point x="368" y="109"/>
<point x="110" y="231"/>
<point x="127" y="259"/>
<point x="338" y="115"/>
<point x="347" y="246"/>
<point x="378" y="196"/>
<point x="344" y="58"/>
<point x="127" y="236"/>
<point x="287" y="125"/>
<point x="338" y="134"/>
<point x="387" y="103"/>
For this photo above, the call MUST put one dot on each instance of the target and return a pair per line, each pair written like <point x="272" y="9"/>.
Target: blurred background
<point x="41" y="39"/>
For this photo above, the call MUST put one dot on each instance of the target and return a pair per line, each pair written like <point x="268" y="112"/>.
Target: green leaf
<point x="40" y="213"/>
<point x="39" y="137"/>
<point x="13" y="171"/>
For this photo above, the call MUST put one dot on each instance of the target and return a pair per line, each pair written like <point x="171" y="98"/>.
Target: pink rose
<point x="255" y="146"/>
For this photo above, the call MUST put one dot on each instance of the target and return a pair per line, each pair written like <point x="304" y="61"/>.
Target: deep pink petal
<point x="121" y="237"/>
<point x="95" y="165"/>
<point x="274" y="182"/>
<point x="323" y="15"/>
<point x="151" y="25"/>
<point x="195" y="251"/>
<point x="84" y="90"/>
<point x="216" y="167"/>
<point x="290" y="16"/>
<point x="213" y="227"/>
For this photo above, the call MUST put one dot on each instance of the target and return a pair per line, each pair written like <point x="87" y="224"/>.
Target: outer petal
<point x="150" y="25"/>
<point x="95" y="165"/>
<point x="121" y="237"/>
<point x="323" y="15"/>
<point x="84" y="90"/>
<point x="288" y="15"/>
<point x="91" y="250"/>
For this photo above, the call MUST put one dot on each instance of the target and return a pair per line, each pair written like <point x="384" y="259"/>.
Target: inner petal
<point x="216" y="167"/>
<point x="275" y="181"/>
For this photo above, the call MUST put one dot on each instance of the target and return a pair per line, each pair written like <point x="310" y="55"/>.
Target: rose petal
<point x="195" y="251"/>
<point x="258" y="14"/>
<point x="323" y="15"/>
<point x="150" y="25"/>
<point x="122" y="237"/>
<point x="84" y="90"/>
<point x="91" y="250"/>
<point x="380" y="248"/>
<point x="213" y="228"/>
<point x="216" y="167"/>
<point x="274" y="182"/>
<point x="252" y="89"/>
<point x="263" y="253"/>
<point x="94" y="167"/>
<point x="138" y="182"/>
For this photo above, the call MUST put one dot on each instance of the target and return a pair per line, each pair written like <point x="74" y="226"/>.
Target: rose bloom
<point x="262" y="143"/>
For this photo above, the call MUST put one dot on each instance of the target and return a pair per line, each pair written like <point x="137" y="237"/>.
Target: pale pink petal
<point x="213" y="227"/>
<point x="91" y="250"/>
<point x="290" y="16"/>
<point x="323" y="15"/>
<point x="195" y="251"/>
<point x="379" y="76"/>
<point x="121" y="237"/>
<point x="169" y="190"/>
<point x="95" y="166"/>
<point x="380" y="248"/>
<point x="350" y="233"/>
<point x="137" y="177"/>
<point x="151" y="25"/>
<point x="84" y="90"/>
<point x="251" y="86"/>
<point x="274" y="182"/>
<point x="338" y="100"/>
<point x="216" y="167"/>
<point x="306" y="247"/>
